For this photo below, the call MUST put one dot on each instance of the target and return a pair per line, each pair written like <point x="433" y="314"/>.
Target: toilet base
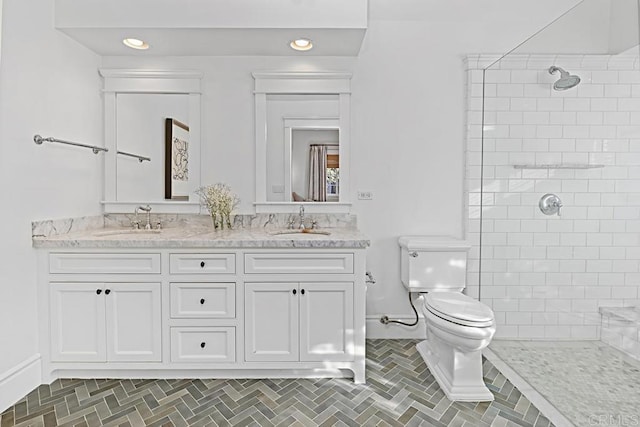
<point x="458" y="374"/>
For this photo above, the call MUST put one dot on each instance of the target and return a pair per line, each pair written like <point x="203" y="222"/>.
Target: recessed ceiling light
<point x="301" y="44"/>
<point x="135" y="44"/>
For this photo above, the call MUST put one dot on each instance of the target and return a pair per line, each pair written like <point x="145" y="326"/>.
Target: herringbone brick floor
<point x="400" y="391"/>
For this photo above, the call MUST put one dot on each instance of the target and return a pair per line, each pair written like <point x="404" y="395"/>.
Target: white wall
<point x="546" y="276"/>
<point x="408" y="115"/>
<point x="48" y="85"/>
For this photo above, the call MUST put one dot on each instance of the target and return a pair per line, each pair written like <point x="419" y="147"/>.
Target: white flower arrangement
<point x="220" y="201"/>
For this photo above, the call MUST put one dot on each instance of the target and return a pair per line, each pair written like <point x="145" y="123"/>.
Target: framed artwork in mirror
<point x="176" y="170"/>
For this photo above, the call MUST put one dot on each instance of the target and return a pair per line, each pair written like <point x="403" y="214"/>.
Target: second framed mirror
<point x="302" y="141"/>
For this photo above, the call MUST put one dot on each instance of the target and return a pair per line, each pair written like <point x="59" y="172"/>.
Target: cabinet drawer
<point x="302" y="263"/>
<point x="104" y="263"/>
<point x="202" y="263"/>
<point x="193" y="300"/>
<point x="208" y="344"/>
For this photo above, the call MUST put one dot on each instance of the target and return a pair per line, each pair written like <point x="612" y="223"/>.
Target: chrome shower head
<point x="567" y="81"/>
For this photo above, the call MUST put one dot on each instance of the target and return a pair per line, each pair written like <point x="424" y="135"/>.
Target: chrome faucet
<point x="301" y="218"/>
<point x="136" y="222"/>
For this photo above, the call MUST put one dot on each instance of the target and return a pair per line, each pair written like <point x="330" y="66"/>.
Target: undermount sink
<point x="302" y="233"/>
<point x="126" y="232"/>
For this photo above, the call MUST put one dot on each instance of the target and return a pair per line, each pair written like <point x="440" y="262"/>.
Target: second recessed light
<point x="301" y="44"/>
<point x="135" y="43"/>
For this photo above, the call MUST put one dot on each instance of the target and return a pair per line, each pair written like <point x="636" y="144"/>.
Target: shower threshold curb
<point x="536" y="399"/>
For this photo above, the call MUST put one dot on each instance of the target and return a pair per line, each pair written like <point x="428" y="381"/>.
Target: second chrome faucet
<point x="301" y="221"/>
<point x="301" y="218"/>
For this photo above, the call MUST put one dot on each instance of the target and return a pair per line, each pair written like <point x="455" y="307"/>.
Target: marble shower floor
<point x="589" y="382"/>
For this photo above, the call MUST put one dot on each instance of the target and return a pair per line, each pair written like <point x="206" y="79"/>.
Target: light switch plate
<point x="365" y="195"/>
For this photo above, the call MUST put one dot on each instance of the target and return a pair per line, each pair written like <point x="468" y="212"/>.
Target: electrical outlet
<point x="365" y="195"/>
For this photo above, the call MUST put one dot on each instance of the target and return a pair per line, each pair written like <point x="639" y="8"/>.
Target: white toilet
<point x="458" y="326"/>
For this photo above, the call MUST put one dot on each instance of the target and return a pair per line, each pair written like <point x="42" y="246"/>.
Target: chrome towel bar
<point x="39" y="140"/>
<point x="136" y="156"/>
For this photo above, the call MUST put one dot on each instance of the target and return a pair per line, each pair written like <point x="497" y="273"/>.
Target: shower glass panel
<point x="553" y="175"/>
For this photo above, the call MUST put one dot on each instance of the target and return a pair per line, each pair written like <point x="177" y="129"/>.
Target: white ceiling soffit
<point x="215" y="27"/>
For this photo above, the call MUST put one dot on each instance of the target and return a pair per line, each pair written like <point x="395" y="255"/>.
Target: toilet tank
<point x="433" y="263"/>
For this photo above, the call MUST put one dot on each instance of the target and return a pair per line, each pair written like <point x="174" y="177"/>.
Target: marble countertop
<point x="201" y="237"/>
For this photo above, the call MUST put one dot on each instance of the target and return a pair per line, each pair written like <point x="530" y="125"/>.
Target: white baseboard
<point x="19" y="381"/>
<point x="375" y="329"/>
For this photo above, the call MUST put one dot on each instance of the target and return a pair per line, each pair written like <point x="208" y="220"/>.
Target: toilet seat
<point x="459" y="308"/>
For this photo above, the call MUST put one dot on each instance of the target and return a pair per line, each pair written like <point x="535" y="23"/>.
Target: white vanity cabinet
<point x="255" y="312"/>
<point x="308" y="322"/>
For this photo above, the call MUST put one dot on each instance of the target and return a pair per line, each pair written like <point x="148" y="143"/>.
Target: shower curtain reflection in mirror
<point x="324" y="173"/>
<point x="314" y="158"/>
<point x="318" y="173"/>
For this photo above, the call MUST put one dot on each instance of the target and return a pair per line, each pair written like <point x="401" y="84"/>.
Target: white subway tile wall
<point x="546" y="276"/>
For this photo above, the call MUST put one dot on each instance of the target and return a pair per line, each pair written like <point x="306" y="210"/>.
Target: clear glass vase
<point x="214" y="220"/>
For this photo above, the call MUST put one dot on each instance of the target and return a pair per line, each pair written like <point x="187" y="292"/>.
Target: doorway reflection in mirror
<point x="315" y="165"/>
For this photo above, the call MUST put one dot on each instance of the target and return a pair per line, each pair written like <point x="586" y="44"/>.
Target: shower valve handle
<point x="550" y="204"/>
<point x="558" y="205"/>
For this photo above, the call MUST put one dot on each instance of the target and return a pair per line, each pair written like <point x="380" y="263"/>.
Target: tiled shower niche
<point x="546" y="276"/>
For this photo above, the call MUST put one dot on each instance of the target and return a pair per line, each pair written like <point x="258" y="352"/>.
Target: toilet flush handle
<point x="413" y="254"/>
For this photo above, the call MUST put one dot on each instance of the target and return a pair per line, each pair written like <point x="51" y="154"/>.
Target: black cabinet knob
<point x="295" y="292"/>
<point x="202" y="301"/>
<point x="201" y="264"/>
<point x="107" y="291"/>
<point x="302" y="291"/>
<point x="202" y="344"/>
<point x="98" y="291"/>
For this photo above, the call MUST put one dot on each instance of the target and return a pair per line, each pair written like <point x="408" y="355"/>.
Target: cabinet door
<point x="271" y="322"/>
<point x="133" y="322"/>
<point x="326" y="321"/>
<point x="77" y="322"/>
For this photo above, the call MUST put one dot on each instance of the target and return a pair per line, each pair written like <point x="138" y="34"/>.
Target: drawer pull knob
<point x="98" y="291"/>
<point x="295" y="292"/>
<point x="302" y="291"/>
<point x="202" y="301"/>
<point x="201" y="264"/>
<point x="202" y="344"/>
<point x="107" y="291"/>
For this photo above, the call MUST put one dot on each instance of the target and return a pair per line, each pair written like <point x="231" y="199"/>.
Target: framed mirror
<point x="142" y="110"/>
<point x="302" y="141"/>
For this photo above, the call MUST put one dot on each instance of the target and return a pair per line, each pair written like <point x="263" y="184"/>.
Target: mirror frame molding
<point x="118" y="81"/>
<point x="302" y="83"/>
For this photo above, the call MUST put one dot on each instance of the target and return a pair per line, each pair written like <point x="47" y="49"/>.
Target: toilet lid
<point x="459" y="308"/>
